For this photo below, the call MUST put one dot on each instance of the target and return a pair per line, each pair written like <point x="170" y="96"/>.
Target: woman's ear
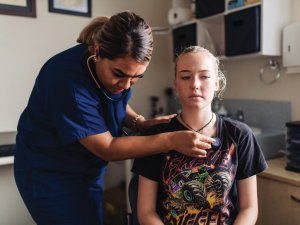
<point x="96" y="49"/>
<point x="175" y="90"/>
<point x="174" y="87"/>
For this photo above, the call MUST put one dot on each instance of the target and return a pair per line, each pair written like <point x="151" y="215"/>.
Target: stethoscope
<point x="215" y="145"/>
<point x="103" y="92"/>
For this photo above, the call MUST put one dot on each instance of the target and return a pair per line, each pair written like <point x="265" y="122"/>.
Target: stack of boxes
<point x="293" y="146"/>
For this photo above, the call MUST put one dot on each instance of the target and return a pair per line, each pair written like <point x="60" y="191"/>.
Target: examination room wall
<point x="26" y="43"/>
<point x="243" y="78"/>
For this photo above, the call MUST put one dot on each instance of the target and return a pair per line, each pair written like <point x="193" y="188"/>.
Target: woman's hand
<point x="144" y="124"/>
<point x="190" y="143"/>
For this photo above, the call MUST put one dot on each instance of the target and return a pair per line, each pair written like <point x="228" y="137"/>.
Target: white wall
<point x="26" y="43"/>
<point x="243" y="78"/>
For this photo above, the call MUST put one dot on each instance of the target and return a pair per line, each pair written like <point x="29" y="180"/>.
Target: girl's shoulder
<point x="233" y="126"/>
<point x="172" y="125"/>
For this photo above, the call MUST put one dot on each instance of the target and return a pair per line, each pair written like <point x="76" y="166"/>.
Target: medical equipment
<point x="102" y="91"/>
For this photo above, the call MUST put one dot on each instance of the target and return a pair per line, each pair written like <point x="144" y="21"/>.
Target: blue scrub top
<point x="65" y="106"/>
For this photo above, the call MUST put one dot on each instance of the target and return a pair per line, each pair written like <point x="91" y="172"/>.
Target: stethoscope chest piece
<point x="216" y="144"/>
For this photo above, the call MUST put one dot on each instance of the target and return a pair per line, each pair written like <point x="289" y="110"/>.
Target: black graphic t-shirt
<point x="203" y="190"/>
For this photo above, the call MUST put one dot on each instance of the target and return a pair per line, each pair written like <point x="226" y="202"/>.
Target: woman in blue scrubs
<point x="72" y="125"/>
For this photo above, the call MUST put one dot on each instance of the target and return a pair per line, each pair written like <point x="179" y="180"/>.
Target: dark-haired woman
<point x="72" y="125"/>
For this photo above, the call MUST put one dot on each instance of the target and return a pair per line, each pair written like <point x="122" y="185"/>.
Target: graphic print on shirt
<point x="197" y="189"/>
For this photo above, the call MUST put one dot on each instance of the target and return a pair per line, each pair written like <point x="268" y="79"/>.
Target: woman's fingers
<point x="157" y="120"/>
<point x="191" y="143"/>
<point x="198" y="153"/>
<point x="167" y="117"/>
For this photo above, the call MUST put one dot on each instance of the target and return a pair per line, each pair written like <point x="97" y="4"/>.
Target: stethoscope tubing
<point x="102" y="91"/>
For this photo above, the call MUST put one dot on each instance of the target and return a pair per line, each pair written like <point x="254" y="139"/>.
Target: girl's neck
<point x="203" y="121"/>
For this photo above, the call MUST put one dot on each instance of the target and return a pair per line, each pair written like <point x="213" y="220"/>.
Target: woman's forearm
<point x="186" y="142"/>
<point x="138" y="146"/>
<point x="118" y="148"/>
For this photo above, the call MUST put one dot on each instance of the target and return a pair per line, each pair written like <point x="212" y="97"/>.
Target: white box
<point x="291" y="48"/>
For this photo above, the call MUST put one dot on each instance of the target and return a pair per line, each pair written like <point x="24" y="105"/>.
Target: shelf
<point x="228" y="11"/>
<point x="256" y="55"/>
<point x="271" y="16"/>
<point x="161" y="30"/>
<point x="249" y="31"/>
<point x="217" y="18"/>
<point x="277" y="171"/>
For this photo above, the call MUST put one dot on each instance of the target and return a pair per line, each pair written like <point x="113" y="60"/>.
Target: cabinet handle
<point x="295" y="198"/>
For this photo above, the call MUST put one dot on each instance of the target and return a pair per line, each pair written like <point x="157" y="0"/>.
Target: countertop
<point x="277" y="171"/>
<point x="6" y="160"/>
<point x="7" y="138"/>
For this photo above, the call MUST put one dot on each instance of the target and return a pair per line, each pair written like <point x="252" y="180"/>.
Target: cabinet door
<point x="276" y="206"/>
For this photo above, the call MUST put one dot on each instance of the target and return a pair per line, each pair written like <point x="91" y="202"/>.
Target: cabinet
<point x="273" y="15"/>
<point x="12" y="208"/>
<point x="278" y="195"/>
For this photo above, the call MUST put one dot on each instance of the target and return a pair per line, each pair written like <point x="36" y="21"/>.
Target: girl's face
<point x="196" y="80"/>
<point x="119" y="74"/>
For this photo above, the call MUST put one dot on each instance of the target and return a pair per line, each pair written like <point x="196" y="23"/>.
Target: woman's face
<point x="196" y="80"/>
<point x="119" y="74"/>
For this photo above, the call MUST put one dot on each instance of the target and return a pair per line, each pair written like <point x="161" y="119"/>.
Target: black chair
<point x="132" y="193"/>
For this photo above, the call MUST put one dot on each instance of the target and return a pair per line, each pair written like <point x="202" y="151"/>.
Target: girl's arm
<point x="146" y="203"/>
<point x="247" y="191"/>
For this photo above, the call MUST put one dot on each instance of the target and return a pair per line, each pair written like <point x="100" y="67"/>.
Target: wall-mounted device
<point x="291" y="48"/>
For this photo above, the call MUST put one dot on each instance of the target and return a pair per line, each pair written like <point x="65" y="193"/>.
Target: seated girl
<point x="218" y="188"/>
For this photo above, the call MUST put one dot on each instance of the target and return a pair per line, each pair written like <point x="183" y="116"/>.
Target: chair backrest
<point x="132" y="193"/>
